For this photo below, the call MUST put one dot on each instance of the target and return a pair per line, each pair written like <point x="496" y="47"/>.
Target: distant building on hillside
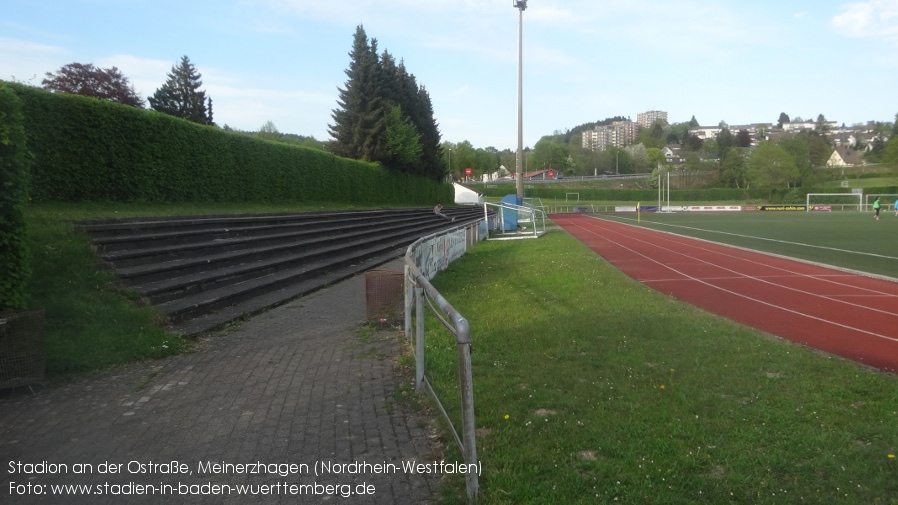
<point x="648" y="118"/>
<point x="808" y="126"/>
<point x="673" y="154"/>
<point x="617" y="134"/>
<point x="756" y="131"/>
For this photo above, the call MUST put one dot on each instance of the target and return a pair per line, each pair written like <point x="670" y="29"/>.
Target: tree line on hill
<point x="734" y="158"/>
<point x="383" y="114"/>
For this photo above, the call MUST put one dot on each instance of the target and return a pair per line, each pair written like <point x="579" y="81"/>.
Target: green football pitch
<point x="852" y="240"/>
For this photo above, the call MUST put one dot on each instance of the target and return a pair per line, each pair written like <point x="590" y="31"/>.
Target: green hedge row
<point x="15" y="269"/>
<point x="93" y="150"/>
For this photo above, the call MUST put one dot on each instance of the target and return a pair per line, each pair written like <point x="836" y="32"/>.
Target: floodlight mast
<point x="521" y="5"/>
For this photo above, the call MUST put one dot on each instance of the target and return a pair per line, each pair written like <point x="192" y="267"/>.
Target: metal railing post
<point x="419" y="338"/>
<point x="409" y="300"/>
<point x="466" y="386"/>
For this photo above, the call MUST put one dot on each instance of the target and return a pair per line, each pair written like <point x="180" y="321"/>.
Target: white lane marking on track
<point x="833" y="280"/>
<point x="826" y="277"/>
<point x="762" y="302"/>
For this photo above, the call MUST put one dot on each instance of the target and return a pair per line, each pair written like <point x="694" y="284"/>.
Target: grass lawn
<point x="591" y="388"/>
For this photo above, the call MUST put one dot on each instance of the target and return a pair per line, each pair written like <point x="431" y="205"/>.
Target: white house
<point x="844" y="157"/>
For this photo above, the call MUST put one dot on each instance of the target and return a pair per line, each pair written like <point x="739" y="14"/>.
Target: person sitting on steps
<point x="438" y="210"/>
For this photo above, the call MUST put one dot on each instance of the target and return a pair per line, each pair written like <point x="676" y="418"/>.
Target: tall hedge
<point x="15" y="269"/>
<point x="94" y="150"/>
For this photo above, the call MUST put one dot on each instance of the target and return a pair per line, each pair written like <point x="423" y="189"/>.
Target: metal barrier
<point x="423" y="260"/>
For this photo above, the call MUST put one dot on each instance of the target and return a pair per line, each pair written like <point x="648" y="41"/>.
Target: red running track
<point x="839" y="312"/>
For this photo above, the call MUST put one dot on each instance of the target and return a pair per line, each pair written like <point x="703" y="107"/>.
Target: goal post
<point x="840" y="201"/>
<point x="887" y="200"/>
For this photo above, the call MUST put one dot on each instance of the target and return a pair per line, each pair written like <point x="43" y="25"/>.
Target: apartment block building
<point x="648" y="118"/>
<point x="617" y="134"/>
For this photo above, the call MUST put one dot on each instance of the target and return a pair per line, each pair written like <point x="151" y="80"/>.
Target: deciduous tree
<point x="890" y="154"/>
<point x="732" y="169"/>
<point x="403" y="142"/>
<point x="269" y="131"/>
<point x="770" y="166"/>
<point x="655" y="158"/>
<point x="693" y="142"/>
<point x="88" y="80"/>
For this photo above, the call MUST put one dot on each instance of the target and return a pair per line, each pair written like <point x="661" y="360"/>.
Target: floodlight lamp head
<point x="519" y="4"/>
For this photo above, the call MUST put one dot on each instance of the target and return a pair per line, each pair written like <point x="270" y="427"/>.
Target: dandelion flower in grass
<point x="662" y="387"/>
<point x="506" y="417"/>
<point x="891" y="456"/>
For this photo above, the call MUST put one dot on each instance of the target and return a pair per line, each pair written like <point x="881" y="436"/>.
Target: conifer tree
<point x="181" y="96"/>
<point x="431" y="149"/>
<point x="360" y="117"/>
<point x="384" y="116"/>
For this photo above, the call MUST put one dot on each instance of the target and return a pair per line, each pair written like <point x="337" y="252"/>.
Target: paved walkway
<point x="295" y="385"/>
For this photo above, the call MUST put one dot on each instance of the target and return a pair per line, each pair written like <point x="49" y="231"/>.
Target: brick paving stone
<point x="296" y="384"/>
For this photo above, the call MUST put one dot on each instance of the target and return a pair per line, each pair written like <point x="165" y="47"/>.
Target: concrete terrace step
<point x="262" y="302"/>
<point x="166" y="283"/>
<point x="204" y="271"/>
<point x="137" y="262"/>
<point x="215" y="299"/>
<point x="120" y="246"/>
<point x="110" y="227"/>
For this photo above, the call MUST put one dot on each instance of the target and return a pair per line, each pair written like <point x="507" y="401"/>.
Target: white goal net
<point x="835" y="201"/>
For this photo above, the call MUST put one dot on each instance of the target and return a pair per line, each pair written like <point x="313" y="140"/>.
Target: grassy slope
<point x="617" y="394"/>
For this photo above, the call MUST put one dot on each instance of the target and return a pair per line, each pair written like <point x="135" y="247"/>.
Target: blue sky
<point x="584" y="60"/>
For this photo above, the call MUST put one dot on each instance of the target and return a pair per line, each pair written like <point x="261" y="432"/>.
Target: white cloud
<point x="237" y="101"/>
<point x="27" y="62"/>
<point x="146" y="75"/>
<point x="876" y="19"/>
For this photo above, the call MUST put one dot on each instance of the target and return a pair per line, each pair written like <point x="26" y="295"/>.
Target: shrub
<point x="14" y="165"/>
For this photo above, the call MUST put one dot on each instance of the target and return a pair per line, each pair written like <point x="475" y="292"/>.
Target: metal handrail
<point x="419" y="291"/>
